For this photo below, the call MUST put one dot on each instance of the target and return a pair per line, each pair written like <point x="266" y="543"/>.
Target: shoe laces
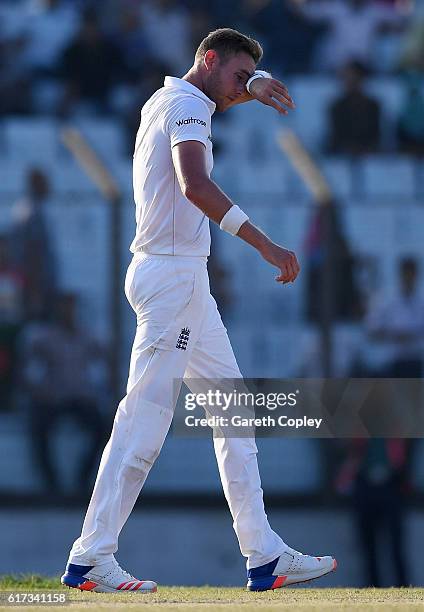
<point x="294" y="552"/>
<point x="117" y="570"/>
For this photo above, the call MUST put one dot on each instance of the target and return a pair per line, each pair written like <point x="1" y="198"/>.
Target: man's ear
<point x="210" y="59"/>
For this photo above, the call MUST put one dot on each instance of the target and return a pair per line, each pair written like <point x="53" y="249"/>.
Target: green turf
<point x="208" y="599"/>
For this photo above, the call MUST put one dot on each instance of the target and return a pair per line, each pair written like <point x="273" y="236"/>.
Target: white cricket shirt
<point x="167" y="222"/>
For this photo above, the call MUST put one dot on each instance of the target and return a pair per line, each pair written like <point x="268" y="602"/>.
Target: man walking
<point x="179" y="330"/>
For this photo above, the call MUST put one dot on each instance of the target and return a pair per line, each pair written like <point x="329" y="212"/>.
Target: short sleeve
<point x="188" y="119"/>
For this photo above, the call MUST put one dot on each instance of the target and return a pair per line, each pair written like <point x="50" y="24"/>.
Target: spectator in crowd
<point x="130" y="38"/>
<point x="326" y="238"/>
<point x="395" y="328"/>
<point x="411" y="119"/>
<point x="150" y="79"/>
<point x="15" y="82"/>
<point x="58" y="369"/>
<point x="167" y="28"/>
<point x="289" y="37"/>
<point x="32" y="246"/>
<point x="49" y="27"/>
<point x="12" y="286"/>
<point x="376" y="472"/>
<point x="91" y="66"/>
<point x="412" y="57"/>
<point x="354" y="117"/>
<point x="352" y="28"/>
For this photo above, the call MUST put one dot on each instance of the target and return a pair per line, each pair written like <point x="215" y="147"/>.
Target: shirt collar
<point x="186" y="86"/>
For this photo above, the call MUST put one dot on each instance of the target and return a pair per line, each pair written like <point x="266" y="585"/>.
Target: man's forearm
<point x="210" y="199"/>
<point x="214" y="203"/>
<point x="207" y="196"/>
<point x="253" y="236"/>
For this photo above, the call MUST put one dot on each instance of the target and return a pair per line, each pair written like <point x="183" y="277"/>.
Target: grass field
<point x="196" y="599"/>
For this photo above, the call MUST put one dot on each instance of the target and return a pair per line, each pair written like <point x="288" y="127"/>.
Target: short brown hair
<point x="227" y="42"/>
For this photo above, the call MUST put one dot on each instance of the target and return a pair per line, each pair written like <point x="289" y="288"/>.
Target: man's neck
<point x="195" y="77"/>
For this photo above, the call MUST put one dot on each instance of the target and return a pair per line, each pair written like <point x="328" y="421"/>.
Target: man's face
<point x="226" y="81"/>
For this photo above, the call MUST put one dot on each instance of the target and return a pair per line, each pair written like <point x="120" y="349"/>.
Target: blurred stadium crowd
<point x="70" y="57"/>
<point x="355" y="69"/>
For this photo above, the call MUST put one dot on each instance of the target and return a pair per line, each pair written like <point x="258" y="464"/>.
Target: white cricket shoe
<point x="105" y="578"/>
<point x="289" y="568"/>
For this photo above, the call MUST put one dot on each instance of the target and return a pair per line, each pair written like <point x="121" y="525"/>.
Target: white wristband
<point x="233" y="219"/>
<point x="259" y="74"/>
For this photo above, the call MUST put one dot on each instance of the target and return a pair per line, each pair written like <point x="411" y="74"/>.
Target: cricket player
<point x="179" y="330"/>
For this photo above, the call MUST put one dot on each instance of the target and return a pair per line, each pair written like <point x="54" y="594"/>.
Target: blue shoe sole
<point x="74" y="575"/>
<point x="72" y="580"/>
<point x="261" y="584"/>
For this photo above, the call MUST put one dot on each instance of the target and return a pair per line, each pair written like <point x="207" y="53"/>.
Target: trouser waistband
<point x="183" y="258"/>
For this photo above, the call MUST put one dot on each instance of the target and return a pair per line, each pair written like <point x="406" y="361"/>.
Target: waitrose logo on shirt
<point x="190" y="120"/>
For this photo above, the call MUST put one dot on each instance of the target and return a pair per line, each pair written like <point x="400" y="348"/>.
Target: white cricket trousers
<point x="170" y="294"/>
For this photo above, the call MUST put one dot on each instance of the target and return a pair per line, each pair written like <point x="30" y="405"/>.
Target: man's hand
<point x="272" y="93"/>
<point x="268" y="91"/>
<point x="273" y="253"/>
<point x="283" y="259"/>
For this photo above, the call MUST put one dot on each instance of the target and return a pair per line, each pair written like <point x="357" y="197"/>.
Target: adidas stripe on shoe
<point x="106" y="578"/>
